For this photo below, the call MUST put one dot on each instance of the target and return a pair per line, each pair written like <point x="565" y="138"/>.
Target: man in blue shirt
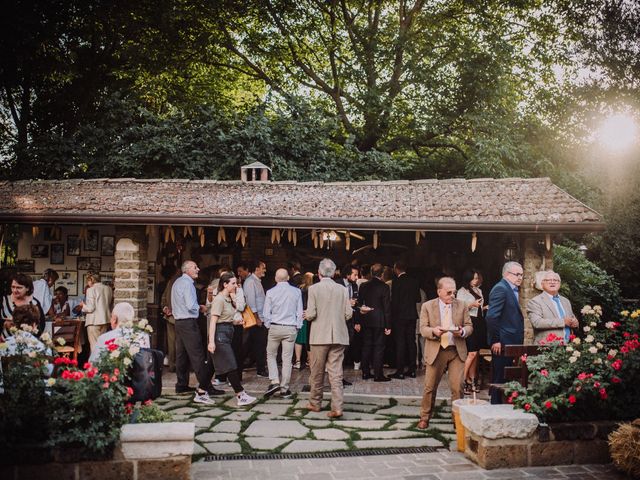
<point x="189" y="345"/>
<point x="282" y="316"/>
<point x="505" y="322"/>
<point x="254" y="296"/>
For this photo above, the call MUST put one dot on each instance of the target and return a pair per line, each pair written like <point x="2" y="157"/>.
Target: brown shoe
<point x="313" y="408"/>
<point x="334" y="414"/>
<point x="423" y="424"/>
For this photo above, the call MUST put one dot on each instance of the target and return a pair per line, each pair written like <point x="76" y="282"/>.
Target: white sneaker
<point x="356" y="365"/>
<point x="245" y="399"/>
<point x="203" y="398"/>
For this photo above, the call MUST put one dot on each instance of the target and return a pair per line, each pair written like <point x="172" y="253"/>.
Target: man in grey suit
<point x="550" y="312"/>
<point x="328" y="308"/>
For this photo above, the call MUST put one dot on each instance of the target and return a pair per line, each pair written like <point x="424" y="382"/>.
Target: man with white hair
<point x="282" y="315"/>
<point x="328" y="309"/>
<point x="121" y="317"/>
<point x="42" y="289"/>
<point x="550" y="312"/>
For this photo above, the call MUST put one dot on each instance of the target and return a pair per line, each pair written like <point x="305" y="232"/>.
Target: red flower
<point x="544" y="372"/>
<point x="128" y="408"/>
<point x="114" y="378"/>
<point x="66" y="374"/>
<point x="617" y="365"/>
<point x="73" y="362"/>
<point x="129" y="391"/>
<point x="61" y="361"/>
<point x="147" y="402"/>
<point x="582" y="376"/>
<point x="105" y="385"/>
<point x="596" y="384"/>
<point x="572" y="399"/>
<point x="615" y="379"/>
<point x="91" y="373"/>
<point x="105" y="377"/>
<point x="548" y="404"/>
<point x="527" y="407"/>
<point x="86" y="366"/>
<point x="572" y="337"/>
<point x="116" y="371"/>
<point x="523" y="358"/>
<point x="110" y="341"/>
<point x="603" y="394"/>
<point x="112" y="346"/>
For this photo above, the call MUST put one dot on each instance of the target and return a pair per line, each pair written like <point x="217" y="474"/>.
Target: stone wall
<point x="131" y="268"/>
<point x="535" y="258"/>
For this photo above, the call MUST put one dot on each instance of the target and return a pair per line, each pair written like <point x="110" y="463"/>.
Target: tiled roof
<point x="500" y="205"/>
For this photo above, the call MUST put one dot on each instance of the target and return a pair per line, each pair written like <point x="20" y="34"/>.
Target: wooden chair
<point x="70" y="331"/>
<point x="518" y="371"/>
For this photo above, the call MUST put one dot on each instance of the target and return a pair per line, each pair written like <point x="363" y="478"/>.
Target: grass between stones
<point x="405" y="420"/>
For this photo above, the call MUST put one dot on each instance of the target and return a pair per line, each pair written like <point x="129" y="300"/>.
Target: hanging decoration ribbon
<point x="376" y="238"/>
<point x="242" y="235"/>
<point x="420" y="234"/>
<point x="222" y="236"/>
<point x="474" y="241"/>
<point x="314" y="238"/>
<point x="547" y="241"/>
<point x="187" y="232"/>
<point x="347" y="240"/>
<point x="201" y="236"/>
<point x="169" y="234"/>
<point x="84" y="233"/>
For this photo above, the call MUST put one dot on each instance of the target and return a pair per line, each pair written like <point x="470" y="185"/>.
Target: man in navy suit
<point x="505" y="322"/>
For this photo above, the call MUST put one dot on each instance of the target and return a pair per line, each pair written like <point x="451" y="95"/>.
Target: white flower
<point x="115" y="353"/>
<point x="572" y="359"/>
<point x="60" y="341"/>
<point x="593" y="324"/>
<point x="589" y="339"/>
<point x="609" y="325"/>
<point x="51" y="382"/>
<point x="32" y="354"/>
<point x="143" y="323"/>
<point x="126" y="361"/>
<point x="133" y="350"/>
<point x="598" y="310"/>
<point x="599" y="345"/>
<point x="593" y="350"/>
<point x="586" y="310"/>
<point x="126" y="324"/>
<point x="587" y="329"/>
<point x="597" y="361"/>
<point x="576" y="341"/>
<point x="45" y="337"/>
<point x="576" y="354"/>
<point x="612" y="353"/>
<point x="569" y="348"/>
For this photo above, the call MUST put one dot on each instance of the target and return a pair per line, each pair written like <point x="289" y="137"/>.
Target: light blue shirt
<point x="184" y="300"/>
<point x="254" y="294"/>
<point x="283" y="306"/>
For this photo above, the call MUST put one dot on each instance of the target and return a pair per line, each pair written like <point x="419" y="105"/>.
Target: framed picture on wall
<point x="92" y="240"/>
<point x="108" y="245"/>
<point x="226" y="260"/>
<point x="91" y="264"/>
<point x="68" y="280"/>
<point x="151" y="269"/>
<point x="26" y="266"/>
<point x="39" y="251"/>
<point x="57" y="254"/>
<point x="151" y="289"/>
<point x="73" y="245"/>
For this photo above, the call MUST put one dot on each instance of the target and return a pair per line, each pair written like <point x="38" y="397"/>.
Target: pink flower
<point x="105" y="385"/>
<point x="603" y="394"/>
<point x="527" y="407"/>
<point x="582" y="376"/>
<point x="129" y="391"/>
<point x="544" y="372"/>
<point x="548" y="404"/>
<point x="572" y="399"/>
<point x="617" y="365"/>
<point x="523" y="358"/>
<point x="615" y="379"/>
<point x="596" y="384"/>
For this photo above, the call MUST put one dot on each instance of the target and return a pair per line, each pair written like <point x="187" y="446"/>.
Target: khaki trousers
<point x="285" y="335"/>
<point x="447" y="359"/>
<point x="93" y="332"/>
<point x="330" y="356"/>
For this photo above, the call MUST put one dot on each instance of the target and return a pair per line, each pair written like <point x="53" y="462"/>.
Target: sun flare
<point x="618" y="132"/>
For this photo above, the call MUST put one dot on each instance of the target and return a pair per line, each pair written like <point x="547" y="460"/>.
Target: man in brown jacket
<point x="328" y="309"/>
<point x="97" y="308"/>
<point x="444" y="323"/>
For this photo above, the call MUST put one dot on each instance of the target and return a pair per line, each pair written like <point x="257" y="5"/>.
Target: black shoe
<point x="382" y="379"/>
<point x="187" y="389"/>
<point x="273" y="388"/>
<point x="411" y="374"/>
<point x="346" y="383"/>
<point x="212" y="391"/>
<point x="286" y="394"/>
<point x="262" y="373"/>
<point x="366" y="376"/>
<point x="397" y="376"/>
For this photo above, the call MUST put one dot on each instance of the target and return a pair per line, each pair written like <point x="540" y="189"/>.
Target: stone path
<point x="278" y="425"/>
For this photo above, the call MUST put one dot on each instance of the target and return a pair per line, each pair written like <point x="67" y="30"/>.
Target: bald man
<point x="282" y="315"/>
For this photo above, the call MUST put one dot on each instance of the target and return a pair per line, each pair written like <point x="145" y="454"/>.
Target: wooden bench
<point x="518" y="371"/>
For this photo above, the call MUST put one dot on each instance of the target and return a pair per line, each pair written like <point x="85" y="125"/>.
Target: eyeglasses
<point x="516" y="274"/>
<point x="450" y="292"/>
<point x="554" y="280"/>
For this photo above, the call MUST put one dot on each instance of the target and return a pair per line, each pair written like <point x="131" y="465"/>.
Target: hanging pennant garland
<point x="169" y="234"/>
<point x="420" y="234"/>
<point x="376" y="238"/>
<point x="222" y="236"/>
<point x="547" y="241"/>
<point x="187" y="232"/>
<point x="35" y="231"/>
<point x="201" y="236"/>
<point x="474" y="241"/>
<point x="347" y="240"/>
<point x="294" y="237"/>
<point x="322" y="239"/>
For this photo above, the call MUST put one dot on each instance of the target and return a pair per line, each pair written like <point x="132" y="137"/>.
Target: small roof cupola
<point x="255" y="172"/>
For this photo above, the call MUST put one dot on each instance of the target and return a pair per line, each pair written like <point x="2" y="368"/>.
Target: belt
<point x="282" y="324"/>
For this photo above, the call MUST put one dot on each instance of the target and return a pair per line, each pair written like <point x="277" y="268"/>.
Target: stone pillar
<point x="535" y="258"/>
<point x="131" y="268"/>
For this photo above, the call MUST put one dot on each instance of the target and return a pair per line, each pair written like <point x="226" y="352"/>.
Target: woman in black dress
<point x="472" y="295"/>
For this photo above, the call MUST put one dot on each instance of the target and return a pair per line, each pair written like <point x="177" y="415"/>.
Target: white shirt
<point x="283" y="306"/>
<point x="141" y="340"/>
<point x="43" y="293"/>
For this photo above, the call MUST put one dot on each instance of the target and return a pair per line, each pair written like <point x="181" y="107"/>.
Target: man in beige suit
<point x="328" y="310"/>
<point x="97" y="308"/>
<point x="550" y="312"/>
<point x="444" y="323"/>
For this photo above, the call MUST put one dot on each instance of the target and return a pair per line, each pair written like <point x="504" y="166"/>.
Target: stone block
<point x="330" y="434"/>
<point x="591" y="451"/>
<point x="551" y="453"/>
<point x="604" y="428"/>
<point x="572" y="431"/>
<point x="157" y="440"/>
<point x="122" y="470"/>
<point x="498" y="421"/>
<point x="491" y="456"/>
<point x="276" y="428"/>
<point x="178" y="468"/>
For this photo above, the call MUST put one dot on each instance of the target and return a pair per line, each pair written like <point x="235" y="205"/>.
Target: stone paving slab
<point x="266" y="443"/>
<point x="201" y="422"/>
<point x="389" y="434"/>
<point x="268" y="416"/>
<point x="276" y="428"/>
<point x="222" y="448"/>
<point x="271" y="408"/>
<point x="299" y="446"/>
<point x="361" y="407"/>
<point x="346" y="415"/>
<point x="399" y="443"/>
<point x="361" y="424"/>
<point x="239" y="416"/>
<point x="227" y="426"/>
<point x="403" y="425"/>
<point x="330" y="434"/>
<point x="175" y="403"/>
<point x="316" y="423"/>
<point x="216" y="437"/>
<point x="400" y="411"/>
<point x="210" y="412"/>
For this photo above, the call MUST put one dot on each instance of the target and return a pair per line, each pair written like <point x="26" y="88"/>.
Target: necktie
<point x="446" y="323"/>
<point x="515" y="292"/>
<point x="567" y="330"/>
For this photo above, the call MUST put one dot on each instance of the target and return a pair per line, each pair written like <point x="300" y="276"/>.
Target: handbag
<point x="248" y="318"/>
